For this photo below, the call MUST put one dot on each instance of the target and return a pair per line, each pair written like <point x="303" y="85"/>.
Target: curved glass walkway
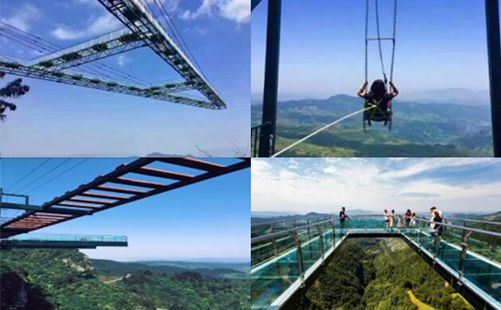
<point x="285" y="254"/>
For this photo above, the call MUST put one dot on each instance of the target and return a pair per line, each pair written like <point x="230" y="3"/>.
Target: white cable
<point x="321" y="129"/>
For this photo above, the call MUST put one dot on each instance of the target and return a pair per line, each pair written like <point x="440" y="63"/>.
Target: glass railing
<point x="472" y="253"/>
<point x="282" y="258"/>
<point x="268" y="227"/>
<point x="285" y="253"/>
<point x="69" y="237"/>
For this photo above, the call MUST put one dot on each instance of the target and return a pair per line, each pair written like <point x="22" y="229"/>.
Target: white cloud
<point x="122" y="60"/>
<point x="423" y="166"/>
<point x="23" y="17"/>
<point x="234" y="10"/>
<point x="306" y="185"/>
<point x="102" y="24"/>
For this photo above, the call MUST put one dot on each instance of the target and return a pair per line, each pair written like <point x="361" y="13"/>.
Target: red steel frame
<point x="85" y="196"/>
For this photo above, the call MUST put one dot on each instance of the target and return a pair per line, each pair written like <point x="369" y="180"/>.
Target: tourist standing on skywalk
<point x="386" y="219"/>
<point x="342" y="217"/>
<point x="408" y="217"/>
<point x="435" y="213"/>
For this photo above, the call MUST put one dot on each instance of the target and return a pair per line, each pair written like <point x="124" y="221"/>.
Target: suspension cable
<point x="28" y="174"/>
<point x="43" y="175"/>
<point x="169" y="23"/>
<point x="43" y="46"/>
<point x="60" y="174"/>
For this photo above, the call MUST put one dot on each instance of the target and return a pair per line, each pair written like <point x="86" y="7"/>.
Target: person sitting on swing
<point x="378" y="95"/>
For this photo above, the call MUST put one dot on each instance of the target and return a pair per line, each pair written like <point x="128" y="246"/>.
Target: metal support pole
<point x="464" y="250"/>
<point x="321" y="240"/>
<point x="271" y="71"/>
<point x="275" y="252"/>
<point x="299" y="255"/>
<point x="494" y="55"/>
<point x="333" y="223"/>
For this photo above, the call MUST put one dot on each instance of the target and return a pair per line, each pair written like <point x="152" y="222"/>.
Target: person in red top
<point x="408" y="215"/>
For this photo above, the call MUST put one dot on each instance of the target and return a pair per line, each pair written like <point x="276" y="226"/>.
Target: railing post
<point x="419" y="238"/>
<point x="299" y="255"/>
<point x="321" y="240"/>
<point x="271" y="72"/>
<point x="333" y="224"/>
<point x="275" y="252"/>
<point x="464" y="250"/>
<point x="308" y="228"/>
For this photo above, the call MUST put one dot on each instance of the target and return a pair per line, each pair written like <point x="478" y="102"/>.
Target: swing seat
<point x="377" y="115"/>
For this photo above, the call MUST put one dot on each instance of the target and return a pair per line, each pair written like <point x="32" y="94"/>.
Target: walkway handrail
<point x="288" y="220"/>
<point x="474" y="220"/>
<point x="481" y="231"/>
<point x="332" y="220"/>
<point x="287" y="231"/>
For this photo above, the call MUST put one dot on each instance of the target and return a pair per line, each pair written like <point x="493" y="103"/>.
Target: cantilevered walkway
<point x="288" y="256"/>
<point x="129" y="182"/>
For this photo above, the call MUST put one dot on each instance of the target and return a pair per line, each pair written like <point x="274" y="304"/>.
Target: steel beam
<point x="160" y="92"/>
<point x="20" y="206"/>
<point x="32" y="220"/>
<point x="494" y="55"/>
<point x="271" y="74"/>
<point x="254" y="4"/>
<point x="107" y="45"/>
<point x="62" y="241"/>
<point x="134" y="15"/>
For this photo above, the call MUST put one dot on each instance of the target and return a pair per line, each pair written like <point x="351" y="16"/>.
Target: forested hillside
<point x="380" y="274"/>
<point x="67" y="279"/>
<point x="419" y="129"/>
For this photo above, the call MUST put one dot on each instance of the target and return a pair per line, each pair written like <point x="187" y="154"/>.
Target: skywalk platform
<point x="287" y="258"/>
<point x="62" y="241"/>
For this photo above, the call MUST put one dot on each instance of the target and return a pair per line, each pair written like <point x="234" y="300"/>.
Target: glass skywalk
<point x="286" y="254"/>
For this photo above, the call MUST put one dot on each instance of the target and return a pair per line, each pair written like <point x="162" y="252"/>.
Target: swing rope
<point x="322" y="129"/>
<point x="371" y="107"/>
<point x="379" y="39"/>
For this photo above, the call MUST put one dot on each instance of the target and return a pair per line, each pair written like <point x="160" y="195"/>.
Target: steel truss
<point x="110" y="44"/>
<point x="99" y="195"/>
<point x="156" y="92"/>
<point x="141" y="30"/>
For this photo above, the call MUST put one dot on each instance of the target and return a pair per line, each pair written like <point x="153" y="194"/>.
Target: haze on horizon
<point x="303" y="185"/>
<point x="440" y="46"/>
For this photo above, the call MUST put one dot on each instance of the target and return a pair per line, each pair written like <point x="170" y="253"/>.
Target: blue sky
<point x="440" y="44"/>
<point x="323" y="185"/>
<point x="206" y="220"/>
<point x="52" y="116"/>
